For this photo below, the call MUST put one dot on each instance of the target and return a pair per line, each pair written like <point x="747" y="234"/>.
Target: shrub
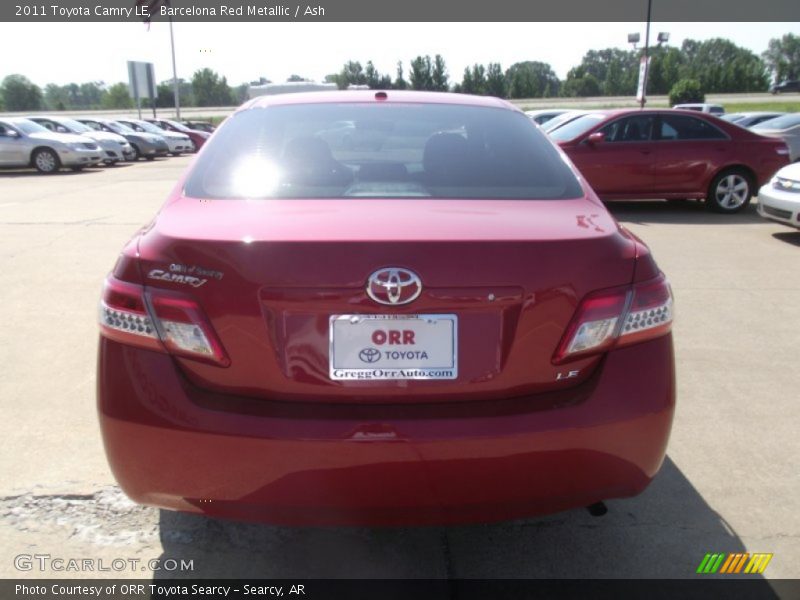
<point x="686" y="90"/>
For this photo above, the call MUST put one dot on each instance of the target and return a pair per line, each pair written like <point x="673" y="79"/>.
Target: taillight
<point x="185" y="330"/>
<point x="124" y="317"/>
<point x="617" y="317"/>
<point x="158" y="321"/>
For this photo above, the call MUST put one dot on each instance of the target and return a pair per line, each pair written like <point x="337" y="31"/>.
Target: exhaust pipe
<point x="598" y="509"/>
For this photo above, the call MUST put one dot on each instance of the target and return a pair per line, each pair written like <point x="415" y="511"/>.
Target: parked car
<point x="198" y="137"/>
<point x="24" y="143"/>
<point x="792" y="85"/>
<point x="543" y="115"/>
<point x="670" y="154"/>
<point x="748" y="119"/>
<point x="178" y="143"/>
<point x="562" y="119"/>
<point x="200" y="126"/>
<point x="144" y="145"/>
<point x="352" y="337"/>
<point x="713" y="109"/>
<point x="786" y="128"/>
<point x="115" y="147"/>
<point x="779" y="199"/>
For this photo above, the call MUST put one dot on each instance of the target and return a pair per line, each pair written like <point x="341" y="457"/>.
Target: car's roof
<point x="354" y="96"/>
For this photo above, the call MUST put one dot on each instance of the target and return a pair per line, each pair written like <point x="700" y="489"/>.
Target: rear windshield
<point x="380" y="151"/>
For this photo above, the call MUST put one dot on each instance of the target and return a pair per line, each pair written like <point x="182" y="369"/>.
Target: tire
<point x="46" y="161"/>
<point x="136" y="153"/>
<point x="77" y="169"/>
<point x="149" y="157"/>
<point x="730" y="191"/>
<point x="176" y="153"/>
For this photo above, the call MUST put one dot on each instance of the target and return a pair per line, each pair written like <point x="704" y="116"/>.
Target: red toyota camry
<point x="671" y="154"/>
<point x="383" y="308"/>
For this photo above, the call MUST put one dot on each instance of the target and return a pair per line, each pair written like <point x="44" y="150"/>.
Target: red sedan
<point x="198" y="137"/>
<point x="442" y="326"/>
<point x="627" y="154"/>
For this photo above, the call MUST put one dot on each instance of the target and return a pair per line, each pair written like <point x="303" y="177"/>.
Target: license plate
<point x="371" y="347"/>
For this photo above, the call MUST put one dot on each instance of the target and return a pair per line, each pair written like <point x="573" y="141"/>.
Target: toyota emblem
<point x="394" y="286"/>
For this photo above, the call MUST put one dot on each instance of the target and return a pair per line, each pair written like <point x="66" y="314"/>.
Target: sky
<point x="81" y="52"/>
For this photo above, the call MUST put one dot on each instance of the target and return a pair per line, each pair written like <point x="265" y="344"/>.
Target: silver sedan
<point x="24" y="143"/>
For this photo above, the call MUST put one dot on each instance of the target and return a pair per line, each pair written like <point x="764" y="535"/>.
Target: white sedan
<point x="779" y="199"/>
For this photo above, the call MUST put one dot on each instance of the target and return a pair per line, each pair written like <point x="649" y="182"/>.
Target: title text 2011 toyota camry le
<point x="432" y="319"/>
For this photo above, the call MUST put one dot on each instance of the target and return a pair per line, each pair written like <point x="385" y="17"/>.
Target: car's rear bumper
<point x="174" y="446"/>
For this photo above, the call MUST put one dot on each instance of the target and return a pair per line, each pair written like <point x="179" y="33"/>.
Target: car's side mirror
<point x="598" y="137"/>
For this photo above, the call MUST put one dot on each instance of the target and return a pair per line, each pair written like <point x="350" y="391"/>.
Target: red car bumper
<point x="174" y="446"/>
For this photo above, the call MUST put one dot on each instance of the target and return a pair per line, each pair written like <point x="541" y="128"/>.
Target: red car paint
<point x="656" y="167"/>
<point x="198" y="137"/>
<point x="255" y="428"/>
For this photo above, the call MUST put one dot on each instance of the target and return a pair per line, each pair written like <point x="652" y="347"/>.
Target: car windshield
<point x="74" y="126"/>
<point x="559" y="120"/>
<point x="784" y="122"/>
<point x="178" y="126"/>
<point x="393" y="150"/>
<point x="149" y="127"/>
<point x="579" y="126"/>
<point x="119" y="127"/>
<point x="26" y="126"/>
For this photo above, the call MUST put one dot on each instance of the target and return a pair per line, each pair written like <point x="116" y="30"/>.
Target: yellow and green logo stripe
<point x="734" y="562"/>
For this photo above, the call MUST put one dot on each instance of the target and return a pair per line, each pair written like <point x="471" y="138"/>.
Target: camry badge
<point x="394" y="286"/>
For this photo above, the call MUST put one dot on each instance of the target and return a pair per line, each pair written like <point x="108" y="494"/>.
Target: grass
<point x="762" y="106"/>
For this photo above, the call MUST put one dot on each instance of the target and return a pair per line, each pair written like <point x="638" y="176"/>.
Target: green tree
<point x="56" y="97"/>
<point x="117" y="96"/>
<point x="666" y="66"/>
<point x="496" y="81"/>
<point x="295" y="78"/>
<point x="474" y="80"/>
<point x="686" y="91"/>
<point x="210" y="89"/>
<point x="165" y="94"/>
<point x="420" y="76"/>
<point x="531" y="79"/>
<point x="614" y="69"/>
<point x="782" y="57"/>
<point x="400" y="83"/>
<point x="723" y="67"/>
<point x="375" y="80"/>
<point x="20" y="93"/>
<point x="439" y="77"/>
<point x="581" y="83"/>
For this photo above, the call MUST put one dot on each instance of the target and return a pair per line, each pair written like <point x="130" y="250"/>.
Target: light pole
<point x="644" y="65"/>
<point x="175" y="85"/>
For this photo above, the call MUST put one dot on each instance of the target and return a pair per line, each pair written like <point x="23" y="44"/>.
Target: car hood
<point x="790" y="172"/>
<point x="104" y="136"/>
<point x="173" y="135"/>
<point x="64" y="138"/>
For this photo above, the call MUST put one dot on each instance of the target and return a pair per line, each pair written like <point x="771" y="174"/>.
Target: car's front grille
<point x="777" y="212"/>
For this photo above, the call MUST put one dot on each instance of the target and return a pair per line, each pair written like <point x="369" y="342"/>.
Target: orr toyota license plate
<point x="373" y="347"/>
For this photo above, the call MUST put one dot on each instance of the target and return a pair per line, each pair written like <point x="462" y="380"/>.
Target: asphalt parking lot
<point x="730" y="482"/>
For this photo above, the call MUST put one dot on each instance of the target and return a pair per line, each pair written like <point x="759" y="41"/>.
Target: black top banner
<point x="404" y="11"/>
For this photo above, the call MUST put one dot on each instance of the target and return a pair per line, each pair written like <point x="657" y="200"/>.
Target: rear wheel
<point x="149" y="157"/>
<point x="730" y="191"/>
<point x="136" y="153"/>
<point x="46" y="161"/>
